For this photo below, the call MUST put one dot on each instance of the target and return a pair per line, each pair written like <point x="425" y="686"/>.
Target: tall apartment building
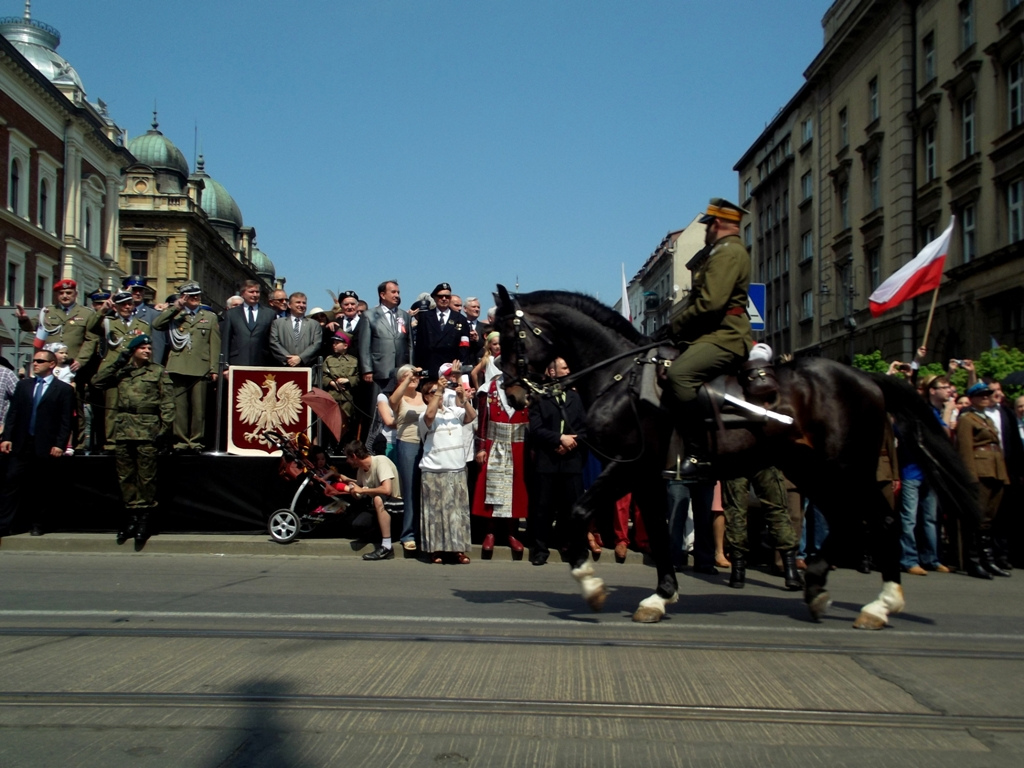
<point x="913" y="111"/>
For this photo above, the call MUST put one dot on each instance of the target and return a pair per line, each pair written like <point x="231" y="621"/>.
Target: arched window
<point x="12" y="196"/>
<point x="44" y="198"/>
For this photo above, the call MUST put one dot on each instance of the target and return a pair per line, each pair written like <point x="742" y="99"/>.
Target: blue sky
<point x="470" y="142"/>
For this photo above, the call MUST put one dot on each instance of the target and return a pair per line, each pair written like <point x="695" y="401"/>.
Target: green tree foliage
<point x="872" y="363"/>
<point x="997" y="363"/>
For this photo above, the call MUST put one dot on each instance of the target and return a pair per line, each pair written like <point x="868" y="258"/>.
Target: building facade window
<point x="140" y="261"/>
<point x="785" y="315"/>
<point x="844" y="129"/>
<point x="748" y="189"/>
<point x="966" y="24"/>
<point x="806" y="130"/>
<point x="873" y="111"/>
<point x="806" y="305"/>
<point x="44" y="199"/>
<point x="748" y="240"/>
<point x="967" y="226"/>
<point x="785" y="260"/>
<point x="1015" y="92"/>
<point x="14" y="186"/>
<point x="967" y="126"/>
<point x="875" y="184"/>
<point x="785" y="204"/>
<point x="844" y="204"/>
<point x="41" y="283"/>
<point x="806" y="186"/>
<point x="875" y="267"/>
<point x="1015" y="206"/>
<point x="928" y="57"/>
<point x="806" y="247"/>
<point x="928" y="147"/>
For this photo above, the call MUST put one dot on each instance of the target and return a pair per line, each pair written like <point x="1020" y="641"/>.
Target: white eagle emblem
<point x="275" y="409"/>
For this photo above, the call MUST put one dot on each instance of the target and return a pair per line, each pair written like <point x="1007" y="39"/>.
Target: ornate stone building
<point x="63" y="160"/>
<point x="913" y="111"/>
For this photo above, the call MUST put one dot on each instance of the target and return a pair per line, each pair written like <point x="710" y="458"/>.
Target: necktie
<point x="36" y="397"/>
<point x="298" y="326"/>
<point x="348" y="326"/>
<point x="441" y="318"/>
<point x="391" y="319"/>
<point x="252" y="317"/>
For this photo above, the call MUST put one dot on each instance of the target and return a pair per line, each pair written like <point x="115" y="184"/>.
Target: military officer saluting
<point x="146" y="312"/>
<point x="118" y="331"/>
<point x="144" y="397"/>
<point x="713" y="329"/>
<point x="77" y="327"/>
<point x="194" y="338"/>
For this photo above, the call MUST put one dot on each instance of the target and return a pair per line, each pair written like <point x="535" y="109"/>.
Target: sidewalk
<point x="236" y="544"/>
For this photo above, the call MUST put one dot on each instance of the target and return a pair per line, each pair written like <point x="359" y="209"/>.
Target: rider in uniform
<point x="713" y="329"/>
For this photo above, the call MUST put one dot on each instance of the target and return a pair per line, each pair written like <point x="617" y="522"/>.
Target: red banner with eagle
<point x="266" y="398"/>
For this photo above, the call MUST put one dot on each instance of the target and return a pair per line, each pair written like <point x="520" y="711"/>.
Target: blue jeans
<point x="407" y="458"/>
<point x="920" y="547"/>
<point x="819" y="527"/>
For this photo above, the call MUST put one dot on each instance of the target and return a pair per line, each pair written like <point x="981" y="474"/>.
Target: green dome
<point x="218" y="204"/>
<point x="158" y="152"/>
<point x="263" y="266"/>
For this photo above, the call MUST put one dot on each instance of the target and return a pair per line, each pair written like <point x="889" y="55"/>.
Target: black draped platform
<point x="196" y="493"/>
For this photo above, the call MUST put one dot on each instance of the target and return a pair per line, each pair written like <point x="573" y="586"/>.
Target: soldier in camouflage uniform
<point x="75" y="326"/>
<point x="117" y="332"/>
<point x="713" y="329"/>
<point x="194" y="336"/>
<point x="145" y="411"/>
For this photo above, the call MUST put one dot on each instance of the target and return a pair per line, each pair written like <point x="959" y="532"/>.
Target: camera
<point x="959" y="363"/>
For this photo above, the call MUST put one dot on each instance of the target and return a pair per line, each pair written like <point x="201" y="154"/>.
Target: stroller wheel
<point x="305" y="527"/>
<point x="283" y="526"/>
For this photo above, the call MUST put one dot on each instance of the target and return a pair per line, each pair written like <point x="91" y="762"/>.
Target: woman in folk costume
<point x="501" y="488"/>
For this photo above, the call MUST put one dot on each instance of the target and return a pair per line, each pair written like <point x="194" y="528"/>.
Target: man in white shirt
<point x="377" y="480"/>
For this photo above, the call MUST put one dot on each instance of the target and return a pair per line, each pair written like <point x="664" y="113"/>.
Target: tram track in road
<point x="521" y="707"/>
<point x="468" y="637"/>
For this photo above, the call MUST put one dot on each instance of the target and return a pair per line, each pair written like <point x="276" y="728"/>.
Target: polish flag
<point x="920" y="275"/>
<point x="624" y="309"/>
<point x="41" y="335"/>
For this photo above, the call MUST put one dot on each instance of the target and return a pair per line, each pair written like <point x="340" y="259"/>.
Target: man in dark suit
<point x="295" y="340"/>
<point x="442" y="334"/>
<point x="384" y="341"/>
<point x="557" y="429"/>
<point x="245" y="330"/>
<point x="36" y="432"/>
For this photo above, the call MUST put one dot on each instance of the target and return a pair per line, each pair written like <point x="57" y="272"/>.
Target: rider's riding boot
<point x="972" y="558"/>
<point x="793" y="581"/>
<point x="128" y="531"/>
<point x="738" y="575"/>
<point x="988" y="561"/>
<point x="690" y="425"/>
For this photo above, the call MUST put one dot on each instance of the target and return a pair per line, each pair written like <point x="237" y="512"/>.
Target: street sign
<point x="756" y="306"/>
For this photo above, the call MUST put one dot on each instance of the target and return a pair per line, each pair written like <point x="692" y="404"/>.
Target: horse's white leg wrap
<point x="875" y="614"/>
<point x="652" y="608"/>
<point x="593" y="587"/>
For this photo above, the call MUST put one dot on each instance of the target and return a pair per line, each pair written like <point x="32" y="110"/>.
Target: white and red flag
<point x="921" y="274"/>
<point x="625" y="309"/>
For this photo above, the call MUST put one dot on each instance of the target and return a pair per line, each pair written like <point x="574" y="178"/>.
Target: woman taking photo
<point x="407" y="405"/>
<point x="444" y="501"/>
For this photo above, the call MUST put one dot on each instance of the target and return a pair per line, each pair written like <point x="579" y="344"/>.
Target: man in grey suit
<point x="296" y="339"/>
<point x="245" y="330"/>
<point x="384" y="341"/>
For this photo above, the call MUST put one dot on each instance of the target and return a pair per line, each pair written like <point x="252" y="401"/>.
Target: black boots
<point x="793" y="580"/>
<point x="738" y="575"/>
<point x="142" y="529"/>
<point x="972" y="557"/>
<point x="988" y="560"/>
<point x="128" y="531"/>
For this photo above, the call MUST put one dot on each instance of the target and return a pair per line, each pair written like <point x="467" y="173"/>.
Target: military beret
<point x="441" y="287"/>
<point x="121" y="297"/>
<point x="99" y="295"/>
<point x="720" y="208"/>
<point x="138" y="341"/>
<point x="172" y="298"/>
<point x="133" y="281"/>
<point x="60" y="285"/>
<point x="191" y="289"/>
<point x="349" y="295"/>
<point x="980" y="389"/>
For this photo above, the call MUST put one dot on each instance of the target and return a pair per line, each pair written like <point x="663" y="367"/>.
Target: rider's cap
<point x="191" y="289"/>
<point x="99" y="295"/>
<point x="138" y="341"/>
<point x="134" y="281"/>
<point x="342" y="336"/>
<point x="122" y="297"/>
<point x="720" y="208"/>
<point x="979" y="390"/>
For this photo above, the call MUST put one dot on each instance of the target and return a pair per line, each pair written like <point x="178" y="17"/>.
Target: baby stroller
<point x="309" y="506"/>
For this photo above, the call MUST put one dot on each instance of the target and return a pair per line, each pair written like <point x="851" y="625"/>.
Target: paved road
<point x="200" y="660"/>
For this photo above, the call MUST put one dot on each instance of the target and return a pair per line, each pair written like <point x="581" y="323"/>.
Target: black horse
<point x="830" y="450"/>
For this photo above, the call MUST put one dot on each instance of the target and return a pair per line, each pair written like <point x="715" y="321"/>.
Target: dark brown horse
<point x="830" y="450"/>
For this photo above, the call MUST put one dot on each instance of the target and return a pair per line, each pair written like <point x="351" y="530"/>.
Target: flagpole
<point x="931" y="315"/>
